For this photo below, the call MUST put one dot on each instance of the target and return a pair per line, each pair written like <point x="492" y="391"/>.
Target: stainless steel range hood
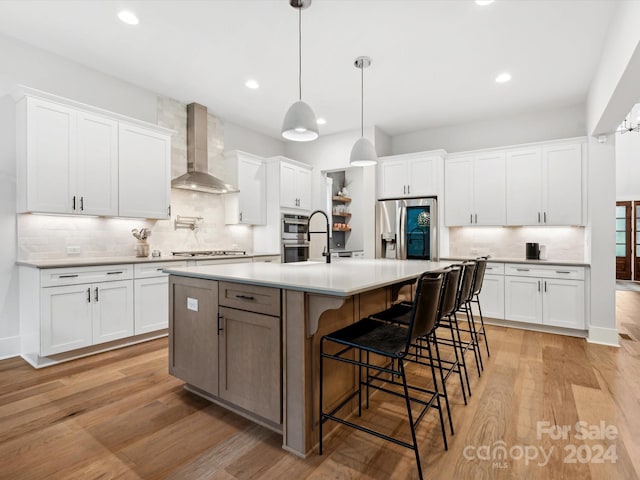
<point x="197" y="177"/>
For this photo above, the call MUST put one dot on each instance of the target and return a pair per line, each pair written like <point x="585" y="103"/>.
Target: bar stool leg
<point x="444" y="383"/>
<point x="410" y="415"/>
<point x="482" y="330"/>
<point x="462" y="357"/>
<point x="455" y="351"/>
<point x="474" y="337"/>
<point x="320" y="418"/>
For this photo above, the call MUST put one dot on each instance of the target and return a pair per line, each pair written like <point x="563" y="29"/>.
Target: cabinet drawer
<point x="545" y="271"/>
<point x="251" y="298"/>
<point x="154" y="269"/>
<point x="53" y="277"/>
<point x="495" y="268"/>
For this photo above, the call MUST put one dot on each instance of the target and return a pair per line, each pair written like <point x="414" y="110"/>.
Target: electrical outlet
<point x="73" y="250"/>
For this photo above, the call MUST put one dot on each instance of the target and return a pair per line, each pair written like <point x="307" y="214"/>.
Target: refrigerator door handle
<point x="402" y="247"/>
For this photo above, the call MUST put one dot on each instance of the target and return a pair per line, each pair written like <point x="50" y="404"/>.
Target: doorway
<point x="624" y="246"/>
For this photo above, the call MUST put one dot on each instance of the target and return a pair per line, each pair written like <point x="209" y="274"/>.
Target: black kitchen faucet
<point x="327" y="251"/>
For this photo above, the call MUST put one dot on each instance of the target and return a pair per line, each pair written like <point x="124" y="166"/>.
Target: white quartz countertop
<point x="344" y="278"/>
<point x="89" y="262"/>
<point x="551" y="261"/>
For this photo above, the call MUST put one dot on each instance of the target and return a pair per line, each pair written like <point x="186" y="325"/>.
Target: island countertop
<point x="343" y="278"/>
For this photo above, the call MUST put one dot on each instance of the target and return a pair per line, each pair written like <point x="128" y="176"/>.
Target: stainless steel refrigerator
<point x="407" y="229"/>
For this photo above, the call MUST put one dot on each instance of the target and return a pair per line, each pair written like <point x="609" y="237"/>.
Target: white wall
<point x="628" y="162"/>
<point x="240" y="138"/>
<point x="531" y="127"/>
<point x="614" y="89"/>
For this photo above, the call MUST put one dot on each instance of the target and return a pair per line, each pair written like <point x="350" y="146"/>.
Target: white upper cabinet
<point x="248" y="173"/>
<point x="412" y="175"/>
<point x="46" y="156"/>
<point x="545" y="185"/>
<point x="475" y="190"/>
<point x="562" y="186"/>
<point x="144" y="172"/>
<point x="524" y="187"/>
<point x="97" y="173"/>
<point x="295" y="185"/>
<point x="78" y="159"/>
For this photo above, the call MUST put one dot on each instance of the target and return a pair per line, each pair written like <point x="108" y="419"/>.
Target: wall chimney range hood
<point x="197" y="177"/>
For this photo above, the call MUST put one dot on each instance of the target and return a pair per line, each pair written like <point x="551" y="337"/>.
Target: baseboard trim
<point x="9" y="347"/>
<point x="603" y="336"/>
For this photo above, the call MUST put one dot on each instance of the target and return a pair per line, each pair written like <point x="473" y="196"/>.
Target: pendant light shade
<point x="300" y="124"/>
<point x="363" y="153"/>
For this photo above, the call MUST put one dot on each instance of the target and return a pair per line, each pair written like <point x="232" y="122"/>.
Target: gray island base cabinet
<point x="246" y="336"/>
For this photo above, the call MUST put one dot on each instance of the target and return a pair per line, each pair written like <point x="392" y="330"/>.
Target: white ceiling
<point x="434" y="62"/>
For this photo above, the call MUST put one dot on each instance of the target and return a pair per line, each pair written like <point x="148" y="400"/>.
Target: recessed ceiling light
<point x="128" y="17"/>
<point x="252" y="84"/>
<point x="484" y="2"/>
<point x="503" y="77"/>
<point x="321" y="121"/>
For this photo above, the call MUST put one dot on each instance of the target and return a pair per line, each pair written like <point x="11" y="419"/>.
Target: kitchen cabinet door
<point x="489" y="183"/>
<point x="562" y="194"/>
<point x="65" y="318"/>
<point x="250" y="362"/>
<point x="252" y="196"/>
<point x="563" y="304"/>
<point x="151" y="311"/>
<point x="288" y="192"/>
<point x="458" y="192"/>
<point x="523" y="299"/>
<point x="144" y="172"/>
<point x="193" y="332"/>
<point x="112" y="310"/>
<point x="49" y="144"/>
<point x="524" y="187"/>
<point x="393" y="176"/>
<point x="492" y="297"/>
<point x="303" y="188"/>
<point x="421" y="177"/>
<point x="97" y="173"/>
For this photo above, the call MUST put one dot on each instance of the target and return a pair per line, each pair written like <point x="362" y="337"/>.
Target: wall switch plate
<point x="73" y="250"/>
<point x="192" y="304"/>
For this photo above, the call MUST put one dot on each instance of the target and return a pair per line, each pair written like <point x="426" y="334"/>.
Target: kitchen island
<point x="246" y="336"/>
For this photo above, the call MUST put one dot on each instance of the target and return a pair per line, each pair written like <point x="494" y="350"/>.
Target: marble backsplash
<point x="42" y="237"/>
<point x="563" y="243"/>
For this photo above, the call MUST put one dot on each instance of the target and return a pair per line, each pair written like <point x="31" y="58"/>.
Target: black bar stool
<point x="475" y="298"/>
<point x="392" y="342"/>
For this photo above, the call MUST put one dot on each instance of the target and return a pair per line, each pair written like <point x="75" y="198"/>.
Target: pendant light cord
<point x="299" y="53"/>
<point x="362" y="99"/>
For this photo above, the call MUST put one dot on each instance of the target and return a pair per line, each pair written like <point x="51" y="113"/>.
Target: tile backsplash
<point x="42" y="237"/>
<point x="563" y="243"/>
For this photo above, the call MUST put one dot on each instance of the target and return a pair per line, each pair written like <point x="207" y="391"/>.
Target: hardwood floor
<point x="120" y="415"/>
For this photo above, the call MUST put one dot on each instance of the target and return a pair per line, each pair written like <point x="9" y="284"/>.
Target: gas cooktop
<point x="208" y="253"/>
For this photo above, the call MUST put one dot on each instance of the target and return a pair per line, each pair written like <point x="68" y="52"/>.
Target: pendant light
<point x="363" y="153"/>
<point x="300" y="123"/>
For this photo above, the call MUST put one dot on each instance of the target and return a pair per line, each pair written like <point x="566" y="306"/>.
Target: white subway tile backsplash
<point x="563" y="243"/>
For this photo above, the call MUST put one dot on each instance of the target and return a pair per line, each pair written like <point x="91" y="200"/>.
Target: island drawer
<point x="545" y="271"/>
<point x="495" y="268"/>
<point x="155" y="269"/>
<point x="250" y="298"/>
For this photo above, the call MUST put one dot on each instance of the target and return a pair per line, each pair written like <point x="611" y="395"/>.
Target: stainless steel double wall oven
<point x="295" y="247"/>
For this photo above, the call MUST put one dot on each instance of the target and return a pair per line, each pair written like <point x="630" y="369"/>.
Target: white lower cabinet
<point x="112" y="310"/>
<point x="547" y="295"/>
<point x="66" y="318"/>
<point x="151" y="305"/>
<point x="76" y="316"/>
<point x="492" y="296"/>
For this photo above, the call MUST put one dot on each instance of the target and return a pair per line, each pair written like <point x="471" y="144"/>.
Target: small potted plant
<point x="142" y="246"/>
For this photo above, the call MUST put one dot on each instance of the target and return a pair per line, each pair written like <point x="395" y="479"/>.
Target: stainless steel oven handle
<point x="300" y="245"/>
<point x="294" y="222"/>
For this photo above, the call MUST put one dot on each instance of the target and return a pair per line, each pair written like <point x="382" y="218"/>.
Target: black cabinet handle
<point x="89" y="294"/>
<point x="97" y="298"/>
<point x="522" y="269"/>
<point x="562" y="271"/>
<point x="245" y="297"/>
<point x="545" y="285"/>
<point x="81" y="204"/>
<point x="538" y="217"/>
<point x="67" y="276"/>
<point x="545" y="217"/>
<point x="538" y="285"/>
<point x="115" y="273"/>
<point x="220" y="329"/>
